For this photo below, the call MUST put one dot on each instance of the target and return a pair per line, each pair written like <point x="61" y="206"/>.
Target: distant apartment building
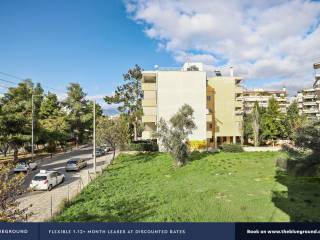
<point x="216" y="102"/>
<point x="309" y="99"/>
<point x="263" y="96"/>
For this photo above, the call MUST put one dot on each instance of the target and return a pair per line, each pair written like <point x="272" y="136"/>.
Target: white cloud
<point x="273" y="39"/>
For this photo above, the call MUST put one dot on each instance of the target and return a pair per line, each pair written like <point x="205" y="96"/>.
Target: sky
<point x="270" y="44"/>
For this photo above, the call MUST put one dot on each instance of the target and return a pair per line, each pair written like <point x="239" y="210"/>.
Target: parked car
<point x="99" y="152"/>
<point x="23" y="166"/>
<point x="108" y="148"/>
<point x="46" y="180"/>
<point x="75" y="164"/>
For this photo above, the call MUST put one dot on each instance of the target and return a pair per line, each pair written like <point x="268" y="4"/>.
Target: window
<point x="209" y="98"/>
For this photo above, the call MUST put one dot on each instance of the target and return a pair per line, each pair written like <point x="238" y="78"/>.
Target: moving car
<point x="76" y="164"/>
<point x="23" y="166"/>
<point x="46" y="180"/>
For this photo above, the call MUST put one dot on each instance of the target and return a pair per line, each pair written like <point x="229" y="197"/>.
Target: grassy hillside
<point x="212" y="187"/>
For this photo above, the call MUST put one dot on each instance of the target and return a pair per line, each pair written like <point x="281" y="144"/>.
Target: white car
<point x="46" y="180"/>
<point x="23" y="166"/>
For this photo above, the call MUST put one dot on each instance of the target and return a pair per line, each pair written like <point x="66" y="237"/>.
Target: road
<point x="46" y="204"/>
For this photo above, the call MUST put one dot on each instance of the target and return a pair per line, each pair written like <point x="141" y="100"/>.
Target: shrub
<point x="149" y="146"/>
<point x="197" y="144"/>
<point x="231" y="148"/>
<point x="308" y="136"/>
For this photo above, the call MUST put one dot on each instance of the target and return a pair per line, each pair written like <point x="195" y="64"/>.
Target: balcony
<point x="310" y="103"/>
<point x="309" y="96"/>
<point x="239" y="99"/>
<point x="311" y="110"/>
<point x="238" y="112"/>
<point x="209" y="134"/>
<point x="239" y="104"/>
<point x="148" y="86"/>
<point x="149" y="118"/>
<point x="209" y="117"/>
<point x="147" y="135"/>
<point x="149" y="103"/>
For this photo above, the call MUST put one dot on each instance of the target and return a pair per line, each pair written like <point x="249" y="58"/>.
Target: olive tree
<point x="112" y="132"/>
<point x="173" y="137"/>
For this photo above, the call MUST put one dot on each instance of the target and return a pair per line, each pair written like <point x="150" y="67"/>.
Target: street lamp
<point x="94" y="136"/>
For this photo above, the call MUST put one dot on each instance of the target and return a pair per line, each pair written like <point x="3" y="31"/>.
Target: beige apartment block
<point x="263" y="96"/>
<point x="309" y="99"/>
<point x="216" y="101"/>
<point x="227" y="109"/>
<point x="166" y="90"/>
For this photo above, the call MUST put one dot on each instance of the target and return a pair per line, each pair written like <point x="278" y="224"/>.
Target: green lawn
<point x="212" y="187"/>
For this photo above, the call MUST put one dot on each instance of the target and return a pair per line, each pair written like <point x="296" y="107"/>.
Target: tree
<point x="293" y="120"/>
<point x="129" y="95"/>
<point x="113" y="132"/>
<point x="247" y="127"/>
<point x="10" y="189"/>
<point x="272" y="126"/>
<point x="79" y="116"/>
<point x="308" y="136"/>
<point x="174" y="138"/>
<point x="256" y="124"/>
<point x="53" y="121"/>
<point x="16" y="114"/>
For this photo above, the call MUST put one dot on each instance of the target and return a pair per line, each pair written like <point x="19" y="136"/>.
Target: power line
<point x="7" y="81"/>
<point x="21" y="79"/>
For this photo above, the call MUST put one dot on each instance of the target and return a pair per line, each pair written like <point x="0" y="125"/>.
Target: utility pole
<point x="94" y="136"/>
<point x="32" y="128"/>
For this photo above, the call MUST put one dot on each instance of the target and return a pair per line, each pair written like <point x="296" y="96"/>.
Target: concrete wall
<point x="175" y="88"/>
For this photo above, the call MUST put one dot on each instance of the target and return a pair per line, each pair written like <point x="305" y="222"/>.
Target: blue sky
<point x="94" y="42"/>
<point x="57" y="42"/>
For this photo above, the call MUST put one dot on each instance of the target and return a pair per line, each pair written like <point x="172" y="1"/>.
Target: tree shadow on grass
<point x="194" y="156"/>
<point x="301" y="201"/>
<point x="126" y="210"/>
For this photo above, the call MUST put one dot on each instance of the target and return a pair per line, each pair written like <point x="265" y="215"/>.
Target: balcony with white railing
<point x="309" y="96"/>
<point x="310" y="103"/>
<point x="311" y="110"/>
<point x="238" y="112"/>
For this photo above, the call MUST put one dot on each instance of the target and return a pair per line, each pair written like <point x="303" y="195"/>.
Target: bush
<point x="148" y="146"/>
<point x="308" y="136"/>
<point x="197" y="144"/>
<point x="235" y="148"/>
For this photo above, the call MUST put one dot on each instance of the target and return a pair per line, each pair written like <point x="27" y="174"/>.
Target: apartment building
<point x="262" y="97"/>
<point x="217" y="114"/>
<point x="309" y="99"/>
